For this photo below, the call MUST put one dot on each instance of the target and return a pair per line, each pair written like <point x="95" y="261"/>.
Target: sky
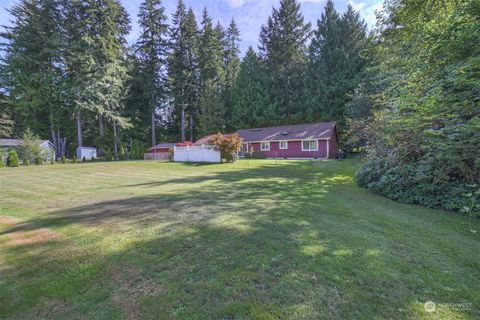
<point x="250" y="15"/>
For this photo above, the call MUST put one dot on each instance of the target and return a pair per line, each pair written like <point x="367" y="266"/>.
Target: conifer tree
<point x="283" y="47"/>
<point x="212" y="77"/>
<point x="152" y="48"/>
<point x="335" y="66"/>
<point x="249" y="101"/>
<point x="183" y="70"/>
<point x="32" y="68"/>
<point x="232" y="65"/>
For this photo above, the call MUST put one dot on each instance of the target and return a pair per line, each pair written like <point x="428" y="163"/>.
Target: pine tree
<point x="335" y="64"/>
<point x="32" y="68"/>
<point x="232" y="65"/>
<point x="183" y="71"/>
<point x="249" y="101"/>
<point x="212" y="77"/>
<point x="283" y="47"/>
<point x="152" y="48"/>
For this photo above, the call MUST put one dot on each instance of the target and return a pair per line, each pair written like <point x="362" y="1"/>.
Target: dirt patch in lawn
<point x="27" y="237"/>
<point x="55" y="308"/>
<point x="134" y="285"/>
<point x="8" y="220"/>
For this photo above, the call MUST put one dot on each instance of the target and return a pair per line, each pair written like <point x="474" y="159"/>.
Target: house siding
<point x="294" y="150"/>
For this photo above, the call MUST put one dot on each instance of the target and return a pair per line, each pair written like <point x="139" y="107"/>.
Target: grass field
<point x="250" y="240"/>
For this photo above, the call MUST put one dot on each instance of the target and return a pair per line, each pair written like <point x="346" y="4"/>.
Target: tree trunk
<point x="79" y="129"/>
<point x="183" y="125"/>
<point x="115" y="140"/>
<point x="154" y="137"/>
<point x="100" y="126"/>
<point x="191" y="127"/>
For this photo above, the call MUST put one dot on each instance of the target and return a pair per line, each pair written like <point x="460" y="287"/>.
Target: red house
<point x="301" y="141"/>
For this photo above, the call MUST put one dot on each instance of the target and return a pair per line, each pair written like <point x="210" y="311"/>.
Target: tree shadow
<point x="251" y="243"/>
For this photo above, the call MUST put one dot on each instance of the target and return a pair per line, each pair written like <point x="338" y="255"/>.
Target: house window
<point x="283" y="145"/>
<point x="265" y="146"/>
<point x="309" y="145"/>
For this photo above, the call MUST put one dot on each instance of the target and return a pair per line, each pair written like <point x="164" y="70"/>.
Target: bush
<point x="83" y="159"/>
<point x="1" y="161"/>
<point x="64" y="159"/>
<point x="121" y="153"/>
<point x="257" y="154"/>
<point x="38" y="160"/>
<point x="12" y="160"/>
<point x="26" y="162"/>
<point x="109" y="156"/>
<point x="170" y="154"/>
<point x="227" y="145"/>
<point x="74" y="159"/>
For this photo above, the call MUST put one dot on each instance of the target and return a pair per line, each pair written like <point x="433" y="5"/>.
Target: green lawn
<point x="250" y="240"/>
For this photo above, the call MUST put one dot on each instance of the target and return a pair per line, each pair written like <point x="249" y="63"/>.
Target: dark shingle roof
<point x="164" y="145"/>
<point x="320" y="130"/>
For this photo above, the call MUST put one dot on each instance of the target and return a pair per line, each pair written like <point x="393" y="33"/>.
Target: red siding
<point x="294" y="150"/>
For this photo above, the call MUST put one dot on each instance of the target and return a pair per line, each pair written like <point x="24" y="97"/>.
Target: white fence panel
<point x="196" y="154"/>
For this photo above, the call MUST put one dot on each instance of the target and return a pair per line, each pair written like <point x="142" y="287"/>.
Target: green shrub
<point x="38" y="160"/>
<point x="109" y="156"/>
<point x="121" y="153"/>
<point x="64" y="159"/>
<point x="1" y="161"/>
<point x="256" y="154"/>
<point x="26" y="162"/>
<point x="12" y="160"/>
<point x="74" y="159"/>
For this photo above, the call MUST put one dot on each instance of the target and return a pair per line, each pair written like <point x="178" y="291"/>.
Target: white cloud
<point x="357" y="6"/>
<point x="237" y="3"/>
<point x="369" y="13"/>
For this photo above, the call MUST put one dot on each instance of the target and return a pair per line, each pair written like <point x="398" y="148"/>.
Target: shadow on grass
<point x="257" y="243"/>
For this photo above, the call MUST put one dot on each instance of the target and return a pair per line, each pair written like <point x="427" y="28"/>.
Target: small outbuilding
<point x="88" y="153"/>
<point x="47" y="148"/>
<point x="159" y="152"/>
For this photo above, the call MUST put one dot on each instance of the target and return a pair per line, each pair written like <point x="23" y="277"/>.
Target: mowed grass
<point x="250" y="240"/>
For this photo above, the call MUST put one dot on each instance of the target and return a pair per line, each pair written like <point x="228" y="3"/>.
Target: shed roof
<point x="18" y="142"/>
<point x="319" y="130"/>
<point x="163" y="145"/>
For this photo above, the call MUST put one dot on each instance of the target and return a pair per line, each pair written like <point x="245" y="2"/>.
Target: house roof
<point x="319" y="130"/>
<point x="18" y="142"/>
<point x="164" y="145"/>
<point x="206" y="139"/>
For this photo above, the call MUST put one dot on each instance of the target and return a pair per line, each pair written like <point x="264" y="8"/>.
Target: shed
<point x="159" y="152"/>
<point x="48" y="148"/>
<point x="88" y="153"/>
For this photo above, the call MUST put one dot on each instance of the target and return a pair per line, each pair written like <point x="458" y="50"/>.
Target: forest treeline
<point x="68" y="72"/>
<point x="408" y="92"/>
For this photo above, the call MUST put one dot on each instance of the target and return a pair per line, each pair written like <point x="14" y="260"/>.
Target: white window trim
<point x="261" y="146"/>
<point x="316" y="149"/>
<point x="280" y="145"/>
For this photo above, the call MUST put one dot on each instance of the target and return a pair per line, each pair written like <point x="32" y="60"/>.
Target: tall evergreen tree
<point x="212" y="76"/>
<point x="335" y="64"/>
<point x="183" y="70"/>
<point x="32" y="68"/>
<point x="231" y="65"/>
<point x="283" y="47"/>
<point x="249" y="100"/>
<point x="152" y="48"/>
